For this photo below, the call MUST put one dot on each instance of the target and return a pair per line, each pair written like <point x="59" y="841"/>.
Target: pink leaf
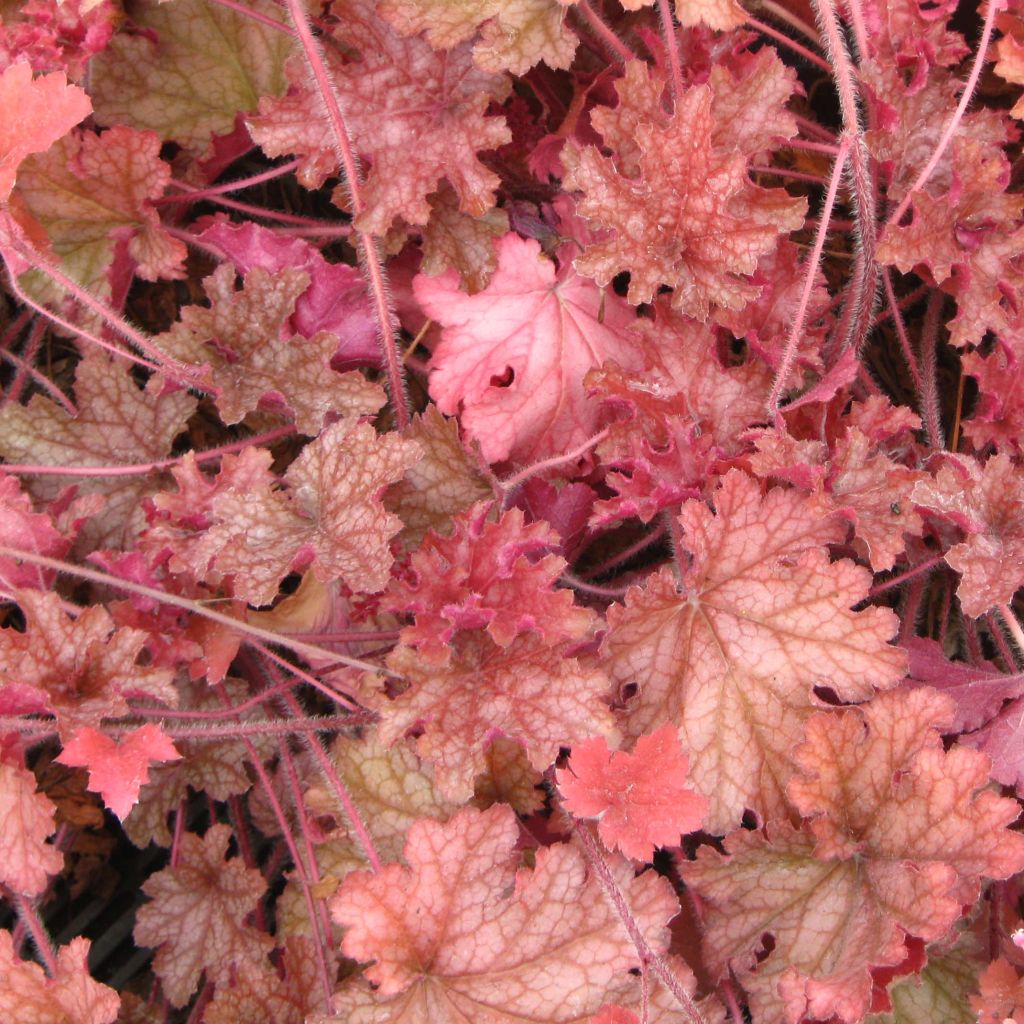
<point x="26" y="821"/>
<point x="118" y="770"/>
<point x="639" y="797"/>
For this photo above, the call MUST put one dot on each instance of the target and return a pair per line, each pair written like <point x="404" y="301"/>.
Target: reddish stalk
<point x="603" y="32"/>
<point x="196" y="607"/>
<point x="901" y="331"/>
<point x="236" y="185"/>
<point x="1016" y="633"/>
<point x="1010" y="660"/>
<point x="787" y="172"/>
<point x="787" y="17"/>
<point x="903" y="577"/>
<point x="618" y="900"/>
<point x="930" y="408"/>
<point x="788" y="41"/>
<point x="970" y="85"/>
<point x="248" y="12"/>
<point x="27" y="915"/>
<point x="260" y="212"/>
<point x="26" y="371"/>
<point x="792" y="342"/>
<point x="668" y="32"/>
<point x="369" y="256"/>
<point x="509" y="484"/>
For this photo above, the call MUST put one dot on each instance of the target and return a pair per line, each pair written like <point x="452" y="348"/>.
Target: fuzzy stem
<point x="306" y="677"/>
<point x="26" y="909"/>
<point x="901" y="330"/>
<point x="618" y="900"/>
<point x="248" y="12"/>
<point x="1016" y="633"/>
<point x="194" y="193"/>
<point x="929" y="371"/>
<point x="668" y="32"/>
<point x="797" y="48"/>
<point x="947" y="134"/>
<point x="814" y="260"/>
<point x="247" y="628"/>
<point x="161" y="362"/>
<point x="604" y="33"/>
<point x="903" y="577"/>
<point x="250" y="209"/>
<point x="611" y="563"/>
<point x="509" y="484"/>
<point x="787" y="17"/>
<point x="1010" y="660"/>
<point x="368" y="252"/>
<point x="26" y="370"/>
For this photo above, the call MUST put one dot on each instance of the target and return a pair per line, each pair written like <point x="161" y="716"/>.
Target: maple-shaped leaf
<point x="336" y="300"/>
<point x="548" y="947"/>
<point x="512" y="357"/>
<point x="93" y="194"/>
<point x="398" y="90"/>
<point x="639" y="797"/>
<point x="526" y="692"/>
<point x="1000" y="993"/>
<point x="117" y="424"/>
<point x="82" y="669"/>
<point x="985" y="502"/>
<point x="195" y="917"/>
<point x="260" y="994"/>
<point x="1002" y="740"/>
<point x="118" y="770"/>
<point x="514" y="34"/>
<point x="189" y="69"/>
<point x="731" y="655"/>
<point x="444" y="482"/>
<point x="331" y="518"/>
<point x="242" y="338"/>
<point x="486" y="575"/>
<point x="69" y="996"/>
<point x="691" y="219"/>
<point x="37" y="112"/>
<point x="26" y="822"/>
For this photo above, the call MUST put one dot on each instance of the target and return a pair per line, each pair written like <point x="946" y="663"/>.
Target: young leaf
<point x="463" y="931"/>
<point x="195" y="919"/>
<point x="512" y="358"/>
<point x="37" y="112"/>
<point x="118" y="770"/>
<point x="638" y="798"/>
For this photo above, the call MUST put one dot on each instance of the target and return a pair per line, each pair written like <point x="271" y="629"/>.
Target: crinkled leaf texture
<point x="118" y="770"/>
<point x="733" y="654"/>
<point x="195" y="918"/>
<point x="69" y="997"/>
<point x="463" y="933"/>
<point x="527" y="692"/>
<point x="331" y="518"/>
<point x="513" y="357"/>
<point x="639" y="797"/>
<point x="901" y="831"/>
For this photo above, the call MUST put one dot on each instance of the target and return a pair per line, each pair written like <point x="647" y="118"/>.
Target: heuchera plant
<point x="511" y="510"/>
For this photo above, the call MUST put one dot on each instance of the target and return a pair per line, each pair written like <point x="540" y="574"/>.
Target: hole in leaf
<point x="503" y="380"/>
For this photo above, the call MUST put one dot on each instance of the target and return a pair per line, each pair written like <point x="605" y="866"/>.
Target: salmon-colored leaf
<point x="26" y="821"/>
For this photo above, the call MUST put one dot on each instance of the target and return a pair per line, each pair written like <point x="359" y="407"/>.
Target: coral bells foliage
<point x="511" y="511"/>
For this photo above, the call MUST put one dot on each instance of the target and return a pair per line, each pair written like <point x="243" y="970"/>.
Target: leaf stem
<point x="668" y="32"/>
<point x="798" y="48"/>
<point x="1014" y="627"/>
<point x="618" y="900"/>
<point x="603" y="31"/>
<point x="26" y="909"/>
<point x="369" y="255"/>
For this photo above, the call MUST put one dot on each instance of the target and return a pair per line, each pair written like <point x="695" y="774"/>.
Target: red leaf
<point x="512" y="358"/>
<point x="118" y="770"/>
<point x="37" y="112"/>
<point x="638" y="797"/>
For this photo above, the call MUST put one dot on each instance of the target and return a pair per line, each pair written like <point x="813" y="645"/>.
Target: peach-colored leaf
<point x="26" y="821"/>
<point x="526" y="692"/>
<point x="463" y="930"/>
<point x="253" y="359"/>
<point x="985" y="502"/>
<point x="37" y="112"/>
<point x="195" y="919"/>
<point x="118" y="770"/>
<point x="512" y="357"/>
<point x="639" y="797"/>
<point x="731" y="656"/>
<point x="331" y="518"/>
<point x="70" y="996"/>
